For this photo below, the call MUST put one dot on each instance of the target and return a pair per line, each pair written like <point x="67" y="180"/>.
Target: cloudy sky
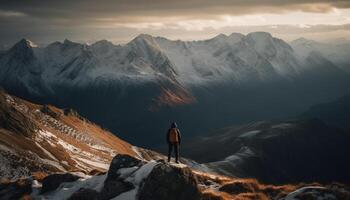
<point x="44" y="21"/>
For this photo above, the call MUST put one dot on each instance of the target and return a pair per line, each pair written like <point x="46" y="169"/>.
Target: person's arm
<point x="178" y="131"/>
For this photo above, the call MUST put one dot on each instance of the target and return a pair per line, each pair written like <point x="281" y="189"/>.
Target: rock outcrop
<point x="169" y="182"/>
<point x="85" y="194"/>
<point x="15" y="189"/>
<point x="115" y="183"/>
<point x="53" y="181"/>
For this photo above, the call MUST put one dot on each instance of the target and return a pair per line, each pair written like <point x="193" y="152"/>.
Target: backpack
<point x="173" y="135"/>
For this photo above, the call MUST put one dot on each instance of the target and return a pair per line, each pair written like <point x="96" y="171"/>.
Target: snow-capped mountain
<point x="20" y="68"/>
<point x="256" y="56"/>
<point x="275" y="152"/>
<point x="337" y="52"/>
<point x="248" y="77"/>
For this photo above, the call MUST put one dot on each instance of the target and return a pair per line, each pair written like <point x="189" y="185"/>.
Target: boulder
<point x="53" y="181"/>
<point x="114" y="188"/>
<point x="121" y="161"/>
<point x="85" y="194"/>
<point x="114" y="185"/>
<point x="15" y="189"/>
<point x="168" y="182"/>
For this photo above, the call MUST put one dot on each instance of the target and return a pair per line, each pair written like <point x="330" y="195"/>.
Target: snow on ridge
<point x="282" y="125"/>
<point x="46" y="152"/>
<point x="85" y="160"/>
<point x="222" y="58"/>
<point x="93" y="163"/>
<point x="249" y="134"/>
<point x="67" y="189"/>
<point x="311" y="189"/>
<point x="137" y="151"/>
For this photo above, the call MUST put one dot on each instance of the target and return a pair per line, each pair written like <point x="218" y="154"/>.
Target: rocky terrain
<point x="129" y="178"/>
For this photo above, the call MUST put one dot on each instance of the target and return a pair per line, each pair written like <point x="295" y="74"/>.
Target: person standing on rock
<point x="174" y="140"/>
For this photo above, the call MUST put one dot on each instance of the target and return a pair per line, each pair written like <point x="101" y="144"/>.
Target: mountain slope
<point x="337" y="52"/>
<point x="336" y="112"/>
<point x="275" y="152"/>
<point x="44" y="138"/>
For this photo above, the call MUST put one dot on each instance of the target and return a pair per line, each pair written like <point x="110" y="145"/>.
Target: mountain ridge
<point x="162" y="80"/>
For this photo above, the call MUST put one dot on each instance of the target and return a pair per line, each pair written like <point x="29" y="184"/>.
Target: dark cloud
<point x="86" y="9"/>
<point x="46" y="20"/>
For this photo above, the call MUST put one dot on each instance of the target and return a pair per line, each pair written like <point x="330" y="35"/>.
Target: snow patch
<point x="142" y="173"/>
<point x="46" y="152"/>
<point x="250" y="133"/>
<point x="93" y="163"/>
<point x="282" y="125"/>
<point x="68" y="189"/>
<point x="312" y="190"/>
<point x="138" y="153"/>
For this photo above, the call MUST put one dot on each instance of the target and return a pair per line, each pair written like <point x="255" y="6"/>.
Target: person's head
<point x="173" y="125"/>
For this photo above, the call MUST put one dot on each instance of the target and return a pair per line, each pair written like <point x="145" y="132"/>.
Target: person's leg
<point x="169" y="151"/>
<point x="176" y="146"/>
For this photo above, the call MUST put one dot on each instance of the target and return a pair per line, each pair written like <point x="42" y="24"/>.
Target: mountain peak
<point x="235" y="37"/>
<point x="69" y="42"/>
<point x="102" y="42"/>
<point x="144" y="37"/>
<point x="259" y="35"/>
<point x="24" y="43"/>
<point x="220" y="36"/>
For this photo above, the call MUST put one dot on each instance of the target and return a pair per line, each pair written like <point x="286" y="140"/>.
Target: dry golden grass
<point x="215" y="195"/>
<point x="251" y="189"/>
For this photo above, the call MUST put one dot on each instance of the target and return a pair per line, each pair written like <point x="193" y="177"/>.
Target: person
<point x="173" y="140"/>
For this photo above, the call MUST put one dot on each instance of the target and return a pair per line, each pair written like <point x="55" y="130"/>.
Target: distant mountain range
<point x="138" y="88"/>
<point x="336" y="51"/>
<point x="336" y="112"/>
<point x="288" y="151"/>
